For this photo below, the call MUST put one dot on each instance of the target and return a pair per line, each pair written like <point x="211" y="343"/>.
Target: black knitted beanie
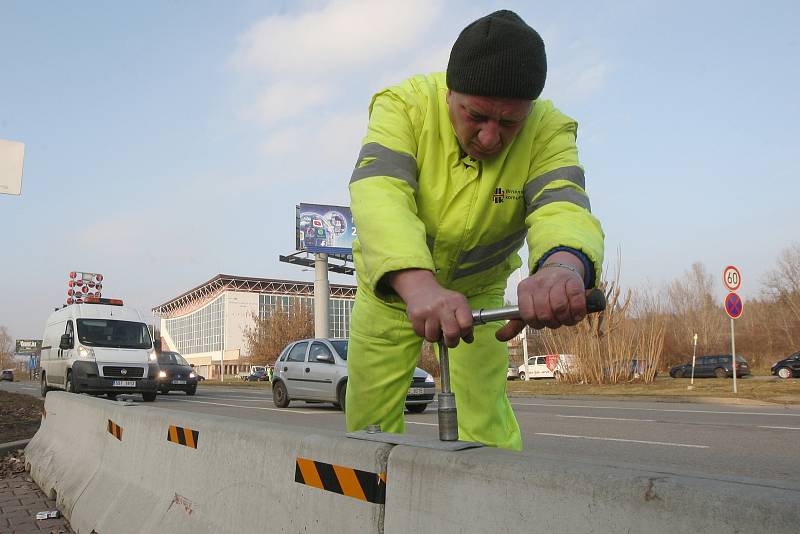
<point x="498" y="55"/>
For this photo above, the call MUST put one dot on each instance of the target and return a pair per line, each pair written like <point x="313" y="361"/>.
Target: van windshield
<point x="168" y="357"/>
<point x="116" y="334"/>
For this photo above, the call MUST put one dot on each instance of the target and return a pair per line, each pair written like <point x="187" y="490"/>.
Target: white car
<point x="546" y="366"/>
<point x="315" y="370"/>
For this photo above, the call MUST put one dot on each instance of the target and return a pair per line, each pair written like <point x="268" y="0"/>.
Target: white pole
<point x="321" y="295"/>
<point x="524" y="336"/>
<point x="224" y="333"/>
<point x="694" y="354"/>
<point x="733" y="357"/>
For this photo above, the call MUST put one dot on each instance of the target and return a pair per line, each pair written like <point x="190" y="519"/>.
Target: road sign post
<point x="734" y="308"/>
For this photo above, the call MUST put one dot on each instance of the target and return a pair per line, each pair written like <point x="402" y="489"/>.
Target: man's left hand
<point x="553" y="297"/>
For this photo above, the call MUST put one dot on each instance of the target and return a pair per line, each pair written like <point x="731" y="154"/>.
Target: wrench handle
<point x="595" y="302"/>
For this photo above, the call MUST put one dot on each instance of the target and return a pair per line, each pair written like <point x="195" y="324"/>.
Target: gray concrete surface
<point x="743" y="442"/>
<point x="144" y="483"/>
<point x="105" y="484"/>
<point x="738" y="442"/>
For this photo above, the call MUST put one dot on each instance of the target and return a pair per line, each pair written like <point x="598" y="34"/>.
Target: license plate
<point x="124" y="383"/>
<point x="179" y="382"/>
<point x="416" y="391"/>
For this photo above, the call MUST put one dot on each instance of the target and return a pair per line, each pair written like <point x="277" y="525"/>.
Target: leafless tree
<point x="268" y="335"/>
<point x="695" y="311"/>
<point x="6" y="349"/>
<point x="782" y="285"/>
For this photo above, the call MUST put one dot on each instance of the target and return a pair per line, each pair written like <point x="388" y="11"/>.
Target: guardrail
<point x="119" y="468"/>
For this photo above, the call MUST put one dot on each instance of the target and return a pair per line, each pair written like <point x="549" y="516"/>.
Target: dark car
<point x="718" y="366"/>
<point x="7" y="374"/>
<point x="787" y="367"/>
<point x="258" y="376"/>
<point x="175" y="373"/>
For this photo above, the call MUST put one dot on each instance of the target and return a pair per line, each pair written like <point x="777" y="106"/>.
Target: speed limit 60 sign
<point x="731" y="278"/>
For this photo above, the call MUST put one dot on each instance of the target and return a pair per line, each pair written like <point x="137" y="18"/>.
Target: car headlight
<point x="429" y="378"/>
<point x="162" y="374"/>
<point x="192" y="375"/>
<point x="153" y="356"/>
<point x="85" y="352"/>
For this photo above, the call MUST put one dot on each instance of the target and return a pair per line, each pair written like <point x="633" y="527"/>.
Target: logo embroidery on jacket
<point x="501" y="195"/>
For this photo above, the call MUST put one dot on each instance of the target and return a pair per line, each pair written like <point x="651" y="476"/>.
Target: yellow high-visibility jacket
<point x="419" y="201"/>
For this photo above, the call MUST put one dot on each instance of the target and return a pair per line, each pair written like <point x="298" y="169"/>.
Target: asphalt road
<point x="752" y="444"/>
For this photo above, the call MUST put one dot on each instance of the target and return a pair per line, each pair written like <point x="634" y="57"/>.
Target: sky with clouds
<point x="167" y="142"/>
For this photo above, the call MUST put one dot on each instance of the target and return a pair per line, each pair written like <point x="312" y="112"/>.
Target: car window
<point x="740" y="359"/>
<point x="341" y="347"/>
<point x="318" y="349"/>
<point x="298" y="352"/>
<point x="709" y="360"/>
<point x="541" y="360"/>
<point x="283" y="355"/>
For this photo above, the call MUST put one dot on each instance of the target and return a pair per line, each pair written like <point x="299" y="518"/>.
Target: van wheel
<point x="149" y="397"/>
<point x="279" y="395"/>
<point x="416" y="408"/>
<point x="720" y="372"/>
<point x="70" y="385"/>
<point x="44" y="388"/>
<point x="341" y="396"/>
<point x="522" y="376"/>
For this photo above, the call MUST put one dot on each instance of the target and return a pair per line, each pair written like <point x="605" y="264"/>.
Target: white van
<point x="98" y="347"/>
<point x="547" y="366"/>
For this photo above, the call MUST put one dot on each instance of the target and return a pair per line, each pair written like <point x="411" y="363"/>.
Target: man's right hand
<point x="432" y="309"/>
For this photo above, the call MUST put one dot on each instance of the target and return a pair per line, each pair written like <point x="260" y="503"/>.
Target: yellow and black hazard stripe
<point x="183" y="436"/>
<point x="114" y="429"/>
<point x="362" y="485"/>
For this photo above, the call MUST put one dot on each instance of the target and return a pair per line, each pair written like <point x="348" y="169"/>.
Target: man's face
<point x="485" y="126"/>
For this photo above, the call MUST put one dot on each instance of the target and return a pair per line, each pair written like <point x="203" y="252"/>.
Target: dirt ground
<point x="20" y="416"/>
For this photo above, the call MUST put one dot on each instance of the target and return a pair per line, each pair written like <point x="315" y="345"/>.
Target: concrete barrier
<point x="117" y="469"/>
<point x="144" y="483"/>
<point x="488" y="490"/>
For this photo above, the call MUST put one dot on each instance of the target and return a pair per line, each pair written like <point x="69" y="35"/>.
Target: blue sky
<point x="167" y="142"/>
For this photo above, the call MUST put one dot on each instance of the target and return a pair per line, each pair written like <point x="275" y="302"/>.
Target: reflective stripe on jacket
<point x="419" y="202"/>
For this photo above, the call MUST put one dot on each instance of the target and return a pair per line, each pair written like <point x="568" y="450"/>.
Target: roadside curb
<point x="11" y="446"/>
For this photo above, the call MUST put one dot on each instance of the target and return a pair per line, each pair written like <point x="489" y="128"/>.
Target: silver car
<point x="315" y="370"/>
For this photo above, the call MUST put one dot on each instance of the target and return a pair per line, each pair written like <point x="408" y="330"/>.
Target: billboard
<point x="30" y="346"/>
<point x="12" y="155"/>
<point x="322" y="228"/>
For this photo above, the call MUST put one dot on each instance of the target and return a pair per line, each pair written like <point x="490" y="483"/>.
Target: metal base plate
<point x="414" y="441"/>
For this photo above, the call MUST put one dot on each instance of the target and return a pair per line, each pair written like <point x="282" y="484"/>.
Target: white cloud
<point x="286" y="100"/>
<point x="340" y="35"/>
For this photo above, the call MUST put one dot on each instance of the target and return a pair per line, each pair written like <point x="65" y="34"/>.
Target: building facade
<point x="207" y="324"/>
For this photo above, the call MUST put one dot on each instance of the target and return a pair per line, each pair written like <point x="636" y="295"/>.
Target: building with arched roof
<point x="206" y="324"/>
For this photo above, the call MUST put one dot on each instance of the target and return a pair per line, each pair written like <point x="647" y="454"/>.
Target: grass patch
<point x="235" y="383"/>
<point x="773" y="390"/>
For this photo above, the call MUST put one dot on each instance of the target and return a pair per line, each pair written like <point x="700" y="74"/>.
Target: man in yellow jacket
<point x="454" y="174"/>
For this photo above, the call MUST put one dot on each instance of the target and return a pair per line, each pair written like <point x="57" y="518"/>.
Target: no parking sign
<point x="734" y="306"/>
